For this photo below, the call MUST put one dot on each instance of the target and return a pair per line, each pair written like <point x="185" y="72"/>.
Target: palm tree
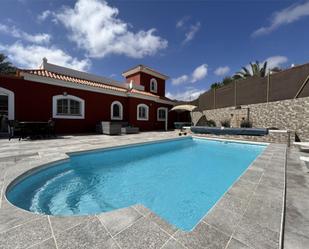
<point x="6" y="67"/>
<point x="256" y="70"/>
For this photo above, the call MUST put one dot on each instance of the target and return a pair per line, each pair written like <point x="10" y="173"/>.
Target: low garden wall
<point x="291" y="115"/>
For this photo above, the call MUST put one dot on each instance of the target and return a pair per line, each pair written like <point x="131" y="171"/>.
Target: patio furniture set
<point x="32" y="129"/>
<point x="116" y="128"/>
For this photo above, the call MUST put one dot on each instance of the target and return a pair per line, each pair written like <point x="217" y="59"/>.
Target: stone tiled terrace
<point x="249" y="215"/>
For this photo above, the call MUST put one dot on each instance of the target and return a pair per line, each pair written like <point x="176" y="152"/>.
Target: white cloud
<point x="30" y="56"/>
<point x="182" y="21"/>
<point x="180" y="80"/>
<point x="44" y="15"/>
<point x="199" y="73"/>
<point x="221" y="71"/>
<point x="95" y="27"/>
<point x="286" y="16"/>
<point x="17" y="33"/>
<point x="187" y="95"/>
<point x="276" y="61"/>
<point x="190" y="34"/>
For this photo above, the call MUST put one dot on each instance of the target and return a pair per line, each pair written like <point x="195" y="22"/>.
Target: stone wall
<point x="292" y="114"/>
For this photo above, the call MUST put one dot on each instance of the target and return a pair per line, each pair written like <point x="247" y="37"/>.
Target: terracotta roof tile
<point x="48" y="74"/>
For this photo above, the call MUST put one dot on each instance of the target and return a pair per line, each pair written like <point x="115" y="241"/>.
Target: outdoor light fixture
<point x="65" y="93"/>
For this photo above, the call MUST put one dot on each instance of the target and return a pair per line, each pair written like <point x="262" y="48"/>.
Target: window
<point x="68" y="107"/>
<point x="153" y="85"/>
<point x="116" y="111"/>
<point x="142" y="112"/>
<point x="161" y="114"/>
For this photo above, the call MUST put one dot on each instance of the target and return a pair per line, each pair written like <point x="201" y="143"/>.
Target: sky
<point x="195" y="43"/>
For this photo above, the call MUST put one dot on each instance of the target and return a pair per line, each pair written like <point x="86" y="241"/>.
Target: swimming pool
<point x="180" y="180"/>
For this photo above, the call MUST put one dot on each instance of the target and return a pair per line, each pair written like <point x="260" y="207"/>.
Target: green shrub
<point x="246" y="124"/>
<point x="225" y="123"/>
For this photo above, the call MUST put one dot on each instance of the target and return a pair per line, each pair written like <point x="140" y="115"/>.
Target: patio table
<point x="33" y="129"/>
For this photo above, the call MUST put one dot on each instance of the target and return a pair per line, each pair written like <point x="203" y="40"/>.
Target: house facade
<point x="78" y="101"/>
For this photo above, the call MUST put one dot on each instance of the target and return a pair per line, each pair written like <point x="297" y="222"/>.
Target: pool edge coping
<point x="136" y="144"/>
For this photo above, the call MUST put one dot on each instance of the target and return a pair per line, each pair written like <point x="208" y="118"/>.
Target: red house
<point x="77" y="101"/>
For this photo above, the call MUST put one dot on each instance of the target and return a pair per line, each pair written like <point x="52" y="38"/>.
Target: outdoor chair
<point x="110" y="128"/>
<point x="51" y="128"/>
<point x="13" y="126"/>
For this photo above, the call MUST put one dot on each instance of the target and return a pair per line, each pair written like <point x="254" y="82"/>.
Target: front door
<point x="4" y="112"/>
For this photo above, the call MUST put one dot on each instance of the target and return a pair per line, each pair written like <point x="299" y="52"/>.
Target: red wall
<point x="33" y="102"/>
<point x="144" y="80"/>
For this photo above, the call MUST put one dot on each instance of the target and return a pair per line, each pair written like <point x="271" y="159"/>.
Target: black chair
<point x="14" y="128"/>
<point x="51" y="128"/>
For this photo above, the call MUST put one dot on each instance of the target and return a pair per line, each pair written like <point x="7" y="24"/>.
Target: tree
<point x="227" y="80"/>
<point x="215" y="85"/>
<point x="6" y="67"/>
<point x="256" y="70"/>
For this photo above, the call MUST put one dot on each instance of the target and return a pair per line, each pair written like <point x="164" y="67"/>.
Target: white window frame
<point x="158" y="117"/>
<point x="11" y="102"/>
<point x="154" y="81"/>
<point x="120" y="110"/>
<point x="147" y="112"/>
<point x="69" y="97"/>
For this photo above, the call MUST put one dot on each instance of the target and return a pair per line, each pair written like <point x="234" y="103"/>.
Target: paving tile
<point x="252" y="175"/>
<point x="242" y="189"/>
<point x="25" y="235"/>
<point x="266" y="191"/>
<point x="173" y="244"/>
<point x="297" y="217"/>
<point x="295" y="241"/>
<point x="232" y="203"/>
<point x="235" y="244"/>
<point x="60" y="224"/>
<point x="223" y="220"/>
<point x="142" y="209"/>
<point x="203" y="236"/>
<point x="270" y="181"/>
<point x="256" y="236"/>
<point x="265" y="212"/>
<point x="166" y="226"/>
<point x="142" y="234"/>
<point x="117" y="220"/>
<point x="89" y="234"/>
<point x="47" y="244"/>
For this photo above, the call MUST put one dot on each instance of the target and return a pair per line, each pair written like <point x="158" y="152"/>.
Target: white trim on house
<point x="146" y="112"/>
<point x="153" y="82"/>
<point x="55" y="82"/>
<point x="11" y="102"/>
<point x="60" y="116"/>
<point x="158" y="110"/>
<point x="120" y="111"/>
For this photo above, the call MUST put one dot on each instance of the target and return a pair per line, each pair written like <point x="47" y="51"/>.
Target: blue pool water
<point x="179" y="180"/>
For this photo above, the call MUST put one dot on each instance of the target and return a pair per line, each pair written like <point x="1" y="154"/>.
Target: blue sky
<point x="196" y="43"/>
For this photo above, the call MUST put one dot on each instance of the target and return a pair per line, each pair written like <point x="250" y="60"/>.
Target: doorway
<point x="7" y="108"/>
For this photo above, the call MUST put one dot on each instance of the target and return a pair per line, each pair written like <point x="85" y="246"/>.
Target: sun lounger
<point x="306" y="160"/>
<point x="303" y="146"/>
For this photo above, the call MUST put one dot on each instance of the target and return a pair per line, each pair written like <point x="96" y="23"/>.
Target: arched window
<point x="161" y="113"/>
<point x="116" y="111"/>
<point x="142" y="112"/>
<point x="68" y="107"/>
<point x="153" y="85"/>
